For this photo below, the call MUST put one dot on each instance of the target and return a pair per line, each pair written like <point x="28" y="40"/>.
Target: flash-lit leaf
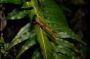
<point x="27" y="4"/>
<point x="23" y="35"/>
<point x="36" y="55"/>
<point x="15" y="14"/>
<point x="12" y="1"/>
<point x="51" y="14"/>
<point x="66" y="48"/>
<point x="29" y="43"/>
<point x="60" y="56"/>
<point x="45" y="45"/>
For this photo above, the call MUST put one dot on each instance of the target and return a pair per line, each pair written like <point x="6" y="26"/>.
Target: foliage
<point x="47" y="28"/>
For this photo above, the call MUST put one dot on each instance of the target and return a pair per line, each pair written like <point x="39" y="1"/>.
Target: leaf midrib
<point x="43" y="42"/>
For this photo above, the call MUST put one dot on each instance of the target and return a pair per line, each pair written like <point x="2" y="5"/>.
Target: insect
<point x="45" y="27"/>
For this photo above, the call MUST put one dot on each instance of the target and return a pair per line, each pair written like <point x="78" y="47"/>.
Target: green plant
<point x="47" y="28"/>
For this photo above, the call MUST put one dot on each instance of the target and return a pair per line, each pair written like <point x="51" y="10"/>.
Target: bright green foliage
<point x="36" y="54"/>
<point x="12" y="1"/>
<point x="54" y="17"/>
<point x="15" y="14"/>
<point x="21" y="36"/>
<point x="46" y="46"/>
<point x="29" y="43"/>
<point x="49" y="31"/>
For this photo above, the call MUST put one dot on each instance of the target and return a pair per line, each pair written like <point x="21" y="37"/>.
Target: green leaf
<point x="16" y="15"/>
<point x="53" y="15"/>
<point x="29" y="43"/>
<point x="60" y="56"/>
<point x="36" y="54"/>
<point x="66" y="49"/>
<point x="45" y="45"/>
<point x="1" y="40"/>
<point x="27" y="4"/>
<point x="12" y="1"/>
<point x="2" y="43"/>
<point x="23" y="35"/>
